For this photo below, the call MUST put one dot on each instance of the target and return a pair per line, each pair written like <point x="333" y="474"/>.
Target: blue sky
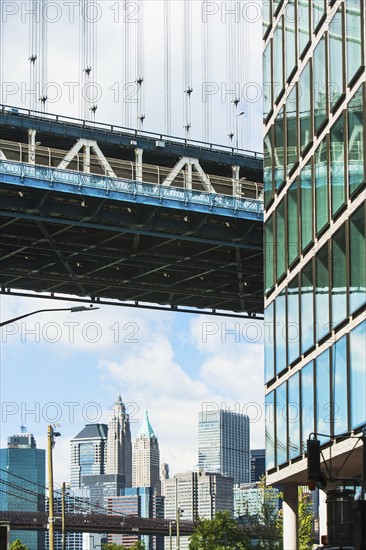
<point x="180" y="363"/>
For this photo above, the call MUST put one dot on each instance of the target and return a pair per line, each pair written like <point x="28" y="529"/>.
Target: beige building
<point x="146" y="457"/>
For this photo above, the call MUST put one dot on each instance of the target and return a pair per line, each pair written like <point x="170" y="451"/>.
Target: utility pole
<point x="170" y="536"/>
<point x="51" y="434"/>
<point x="178" y="516"/>
<point x="63" y="516"/>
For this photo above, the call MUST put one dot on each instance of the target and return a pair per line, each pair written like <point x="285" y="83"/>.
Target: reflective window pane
<point x="353" y="34"/>
<point x="307" y="308"/>
<point x="279" y="150"/>
<point x="303" y="24"/>
<point x="268" y="170"/>
<point x="355" y="141"/>
<point x="339" y="389"/>
<point x="278" y="83"/>
<point x="357" y="341"/>
<point x="318" y="11"/>
<point x="293" y="321"/>
<point x="322" y="396"/>
<point x="267" y="80"/>
<point x="269" y="433"/>
<point x="269" y="253"/>
<point x="293" y="415"/>
<point x="320" y="84"/>
<point x="322" y="293"/>
<point x="306" y="188"/>
<point x="280" y="240"/>
<point x="307" y="403"/>
<point x="266" y="14"/>
<point x="280" y="346"/>
<point x="292" y="223"/>
<point x="337" y="164"/>
<point x="291" y="124"/>
<point x="321" y="187"/>
<point x="339" y="277"/>
<point x="281" y="424"/>
<point x="335" y="58"/>
<point x="357" y="262"/>
<point x="305" y="108"/>
<point x="290" y="49"/>
<point x="269" y="368"/>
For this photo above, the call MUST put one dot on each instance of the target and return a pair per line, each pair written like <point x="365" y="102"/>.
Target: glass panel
<point x="357" y="342"/>
<point x="278" y="60"/>
<point x="280" y="240"/>
<point x="303" y="23"/>
<point x="355" y="141"/>
<point x="322" y="293"/>
<point x="307" y="403"/>
<point x="337" y="164"/>
<point x="318" y="11"/>
<point x="280" y="346"/>
<point x="357" y="260"/>
<point x="290" y="48"/>
<point x="305" y="108"/>
<point x="307" y="308"/>
<point x="291" y="124"/>
<point x="335" y="58"/>
<point x="269" y="431"/>
<point x="269" y="253"/>
<point x="353" y="34"/>
<point x="306" y="205"/>
<point x="279" y="149"/>
<point x="269" y="368"/>
<point x="266" y="15"/>
<point x="321" y="187"/>
<point x="320" y="84"/>
<point x="339" y="383"/>
<point x="292" y="223"/>
<point x="281" y="425"/>
<point x="268" y="170"/>
<point x="293" y="321"/>
<point x="322" y="396"/>
<point x="293" y="413"/>
<point x="267" y="80"/>
<point x="339" y="277"/>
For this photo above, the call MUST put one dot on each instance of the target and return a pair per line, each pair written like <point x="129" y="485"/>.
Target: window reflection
<point x="322" y="396"/>
<point x="281" y="362"/>
<point x="320" y="84"/>
<point x="303" y="24"/>
<point x="353" y="37"/>
<point x="293" y="321"/>
<point x="335" y="58"/>
<point x="280" y="240"/>
<point x="355" y="141"/>
<point x="291" y="125"/>
<point x="268" y="171"/>
<point x="290" y="48"/>
<point x="322" y="293"/>
<point x="307" y="308"/>
<point x="269" y="433"/>
<point x="281" y="424"/>
<point x="339" y="277"/>
<point x="339" y="389"/>
<point x="293" y="413"/>
<point x="358" y="375"/>
<point x="321" y="186"/>
<point x="269" y="253"/>
<point x="279" y="150"/>
<point x="305" y="108"/>
<point x="269" y="370"/>
<point x="307" y="403"/>
<point x="306" y="188"/>
<point x="267" y="80"/>
<point x="357" y="261"/>
<point x="337" y="164"/>
<point x="292" y="223"/>
<point x="277" y="60"/>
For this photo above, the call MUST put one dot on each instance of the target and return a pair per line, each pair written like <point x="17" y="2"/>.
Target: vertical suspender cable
<point x="187" y="64"/>
<point x="127" y="63"/>
<point x="167" y="67"/>
<point x="207" y="98"/>
<point x="32" y="54"/>
<point x="229" y="122"/>
<point x="43" y="59"/>
<point x="140" y="62"/>
<point x="88" y="50"/>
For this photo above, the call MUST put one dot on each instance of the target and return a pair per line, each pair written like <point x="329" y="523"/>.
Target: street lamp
<point x="72" y="309"/>
<point x="179" y="514"/>
<point x="51" y="435"/>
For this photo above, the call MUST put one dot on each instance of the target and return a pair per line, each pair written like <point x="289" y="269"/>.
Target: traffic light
<point x="316" y="478"/>
<point x="4" y="537"/>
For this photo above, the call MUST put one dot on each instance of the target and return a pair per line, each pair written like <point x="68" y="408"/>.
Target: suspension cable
<point x="167" y="66"/>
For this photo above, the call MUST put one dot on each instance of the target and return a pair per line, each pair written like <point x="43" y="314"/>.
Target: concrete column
<point x="290" y="517"/>
<point x="31" y="146"/>
<point x="236" y="184"/>
<point x="138" y="163"/>
<point x="323" y="530"/>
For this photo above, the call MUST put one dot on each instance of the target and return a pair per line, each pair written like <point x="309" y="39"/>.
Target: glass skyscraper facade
<point x="223" y="444"/>
<point x="88" y="453"/>
<point x="315" y="262"/>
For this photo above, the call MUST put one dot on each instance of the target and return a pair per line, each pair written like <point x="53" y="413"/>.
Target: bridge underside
<point x="95" y="247"/>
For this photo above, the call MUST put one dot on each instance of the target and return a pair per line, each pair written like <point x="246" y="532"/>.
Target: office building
<point x="223" y="444"/>
<point x="257" y="464"/>
<point x="101" y="487"/>
<point x="195" y="495"/>
<point x="251" y="500"/>
<point x="23" y="480"/>
<point x="146" y="457"/>
<point x="315" y="291"/>
<point x="88" y="453"/>
<point x="119" y="446"/>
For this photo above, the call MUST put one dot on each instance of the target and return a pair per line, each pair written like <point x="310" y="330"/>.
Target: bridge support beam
<point x="236" y="181"/>
<point x="32" y="146"/>
<point x="138" y="164"/>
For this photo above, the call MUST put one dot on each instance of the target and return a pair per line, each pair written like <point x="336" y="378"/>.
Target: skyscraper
<point x="119" y="446"/>
<point x="88" y="453"/>
<point x="223" y="444"/>
<point x="315" y="255"/>
<point x="23" y="480"/>
<point x="257" y="464"/>
<point x="146" y="457"/>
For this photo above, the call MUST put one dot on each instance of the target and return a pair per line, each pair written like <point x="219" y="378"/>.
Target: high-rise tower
<point x="146" y="457"/>
<point x="88" y="453"/>
<point x="119" y="446"/>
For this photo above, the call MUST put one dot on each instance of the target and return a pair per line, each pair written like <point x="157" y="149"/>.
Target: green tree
<point x="18" y="545"/>
<point x="112" y="546"/>
<point x="138" y="545"/>
<point x="306" y="536"/>
<point x="220" y="533"/>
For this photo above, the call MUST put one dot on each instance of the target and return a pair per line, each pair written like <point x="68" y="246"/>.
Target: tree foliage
<point x="306" y="538"/>
<point x="220" y="533"/>
<point x="18" y="545"/>
<point x="138" y="545"/>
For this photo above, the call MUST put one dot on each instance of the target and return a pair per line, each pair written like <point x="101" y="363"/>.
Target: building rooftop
<point x="91" y="431"/>
<point x="146" y="428"/>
